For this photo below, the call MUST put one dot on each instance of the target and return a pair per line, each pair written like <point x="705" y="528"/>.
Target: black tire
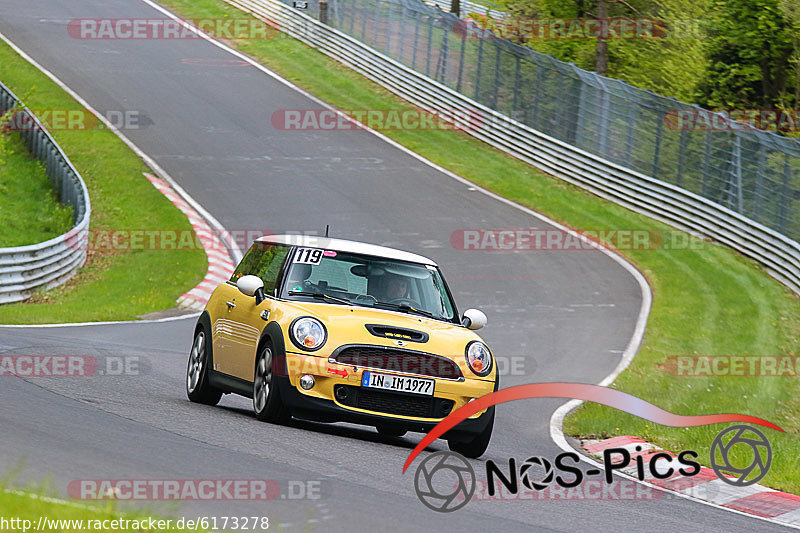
<point x="476" y="446"/>
<point x="198" y="389"/>
<point x="267" y="402"/>
<point x="390" y="431"/>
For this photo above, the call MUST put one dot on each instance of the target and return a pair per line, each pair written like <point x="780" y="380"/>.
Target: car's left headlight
<point x="479" y="358"/>
<point x="308" y="333"/>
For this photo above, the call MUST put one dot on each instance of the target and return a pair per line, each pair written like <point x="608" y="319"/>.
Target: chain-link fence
<point x="752" y="172"/>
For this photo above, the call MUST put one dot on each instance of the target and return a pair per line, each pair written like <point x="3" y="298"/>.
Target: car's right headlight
<point x="308" y="333"/>
<point x="479" y="358"/>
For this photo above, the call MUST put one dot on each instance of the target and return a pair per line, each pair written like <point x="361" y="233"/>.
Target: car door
<point x="245" y="319"/>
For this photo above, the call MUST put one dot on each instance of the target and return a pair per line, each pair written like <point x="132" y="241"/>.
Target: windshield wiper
<point x="405" y="308"/>
<point x="320" y="296"/>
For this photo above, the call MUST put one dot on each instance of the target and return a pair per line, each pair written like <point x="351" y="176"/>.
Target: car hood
<point x="347" y="325"/>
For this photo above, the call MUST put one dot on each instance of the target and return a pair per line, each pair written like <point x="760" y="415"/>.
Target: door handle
<point x="230" y="305"/>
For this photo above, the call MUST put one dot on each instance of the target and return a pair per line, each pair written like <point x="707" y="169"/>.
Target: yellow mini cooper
<point x="340" y="331"/>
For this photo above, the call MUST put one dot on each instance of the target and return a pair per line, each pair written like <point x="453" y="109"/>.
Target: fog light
<point x="307" y="382"/>
<point x="341" y="393"/>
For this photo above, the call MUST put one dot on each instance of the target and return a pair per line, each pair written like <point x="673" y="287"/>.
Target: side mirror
<point x="473" y="319"/>
<point x="251" y="286"/>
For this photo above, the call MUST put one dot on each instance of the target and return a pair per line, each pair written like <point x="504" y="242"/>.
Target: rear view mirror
<point x="251" y="286"/>
<point x="473" y="319"/>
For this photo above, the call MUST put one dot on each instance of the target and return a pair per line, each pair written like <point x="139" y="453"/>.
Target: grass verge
<point x="115" y="284"/>
<point x="708" y="299"/>
<point x="35" y="511"/>
<point x="29" y="210"/>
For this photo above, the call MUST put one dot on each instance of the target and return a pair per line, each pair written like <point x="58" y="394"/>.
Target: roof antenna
<point x="327" y="228"/>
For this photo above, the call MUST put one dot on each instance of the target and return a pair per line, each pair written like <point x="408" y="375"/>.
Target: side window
<point x="249" y="262"/>
<point x="264" y="261"/>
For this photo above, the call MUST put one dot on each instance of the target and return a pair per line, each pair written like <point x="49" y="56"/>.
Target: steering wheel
<point x="404" y="301"/>
<point x="366" y="298"/>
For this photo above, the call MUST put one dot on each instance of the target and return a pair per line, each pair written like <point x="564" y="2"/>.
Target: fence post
<point x="461" y="60"/>
<point x="659" y="135"/>
<point x="681" y="155"/>
<point x="762" y="161"/>
<point x="416" y="40"/>
<point x="784" y="194"/>
<point x="515" y="101"/>
<point x="389" y="28"/>
<point x="430" y="46"/>
<point x="496" y="77"/>
<point x="706" y="164"/>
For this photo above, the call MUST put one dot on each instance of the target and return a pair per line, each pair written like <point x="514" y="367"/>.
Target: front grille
<point x="393" y="403"/>
<point x="406" y="361"/>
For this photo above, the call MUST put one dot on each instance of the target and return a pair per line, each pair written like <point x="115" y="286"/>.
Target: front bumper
<point x="323" y="404"/>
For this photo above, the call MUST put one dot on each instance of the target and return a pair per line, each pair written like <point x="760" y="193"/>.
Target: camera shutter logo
<point x="761" y="450"/>
<point x="541" y="462"/>
<point x="455" y="486"/>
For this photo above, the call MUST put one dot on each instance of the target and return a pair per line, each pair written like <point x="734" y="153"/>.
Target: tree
<point x="749" y="54"/>
<point x="670" y="62"/>
<point x="791" y="12"/>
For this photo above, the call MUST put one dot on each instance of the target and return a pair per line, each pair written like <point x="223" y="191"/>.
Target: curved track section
<point x="569" y="315"/>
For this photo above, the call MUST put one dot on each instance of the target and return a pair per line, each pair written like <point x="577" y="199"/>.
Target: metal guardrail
<point x="469" y="7"/>
<point x="51" y="263"/>
<point x="639" y="192"/>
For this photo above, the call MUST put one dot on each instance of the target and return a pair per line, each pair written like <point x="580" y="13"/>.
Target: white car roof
<point x="342" y="245"/>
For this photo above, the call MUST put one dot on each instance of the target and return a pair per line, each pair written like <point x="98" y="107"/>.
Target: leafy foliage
<point x="749" y="54"/>
<point x="717" y="53"/>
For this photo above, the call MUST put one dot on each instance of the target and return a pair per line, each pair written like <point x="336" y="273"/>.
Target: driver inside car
<point x="396" y="287"/>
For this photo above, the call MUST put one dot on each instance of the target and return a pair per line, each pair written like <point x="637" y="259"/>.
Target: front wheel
<point x="197" y="387"/>
<point x="267" y="402"/>
<point x="475" y="446"/>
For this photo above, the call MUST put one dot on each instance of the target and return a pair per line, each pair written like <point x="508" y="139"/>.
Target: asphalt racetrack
<point x="567" y="316"/>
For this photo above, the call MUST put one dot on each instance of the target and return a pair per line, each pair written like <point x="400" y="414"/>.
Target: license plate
<point x="398" y="383"/>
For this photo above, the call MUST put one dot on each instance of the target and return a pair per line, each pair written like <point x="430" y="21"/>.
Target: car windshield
<point x="340" y="277"/>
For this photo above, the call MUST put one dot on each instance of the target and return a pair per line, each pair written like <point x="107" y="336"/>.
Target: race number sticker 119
<point x="308" y="256"/>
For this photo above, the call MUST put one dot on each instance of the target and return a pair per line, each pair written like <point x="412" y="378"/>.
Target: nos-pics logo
<point x="445" y="481"/>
